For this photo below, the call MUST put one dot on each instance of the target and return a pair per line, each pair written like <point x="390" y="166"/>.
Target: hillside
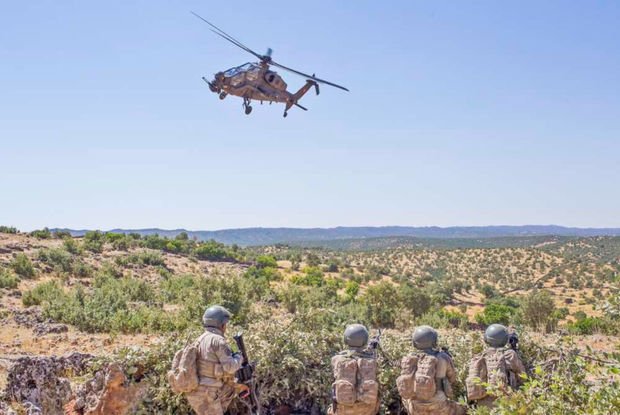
<point x="132" y="301"/>
<point x="312" y="236"/>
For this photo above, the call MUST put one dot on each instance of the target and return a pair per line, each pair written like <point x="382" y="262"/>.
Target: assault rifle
<point x="513" y="340"/>
<point x="245" y="375"/>
<point x="375" y="342"/>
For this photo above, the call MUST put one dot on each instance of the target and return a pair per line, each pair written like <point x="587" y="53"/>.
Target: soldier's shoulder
<point x="444" y="356"/>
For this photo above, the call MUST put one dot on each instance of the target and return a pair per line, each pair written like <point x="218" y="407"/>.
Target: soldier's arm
<point x="450" y="370"/>
<point x="230" y="363"/>
<point x="514" y="362"/>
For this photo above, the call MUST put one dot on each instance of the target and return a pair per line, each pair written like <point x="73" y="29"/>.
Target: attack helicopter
<point x="256" y="81"/>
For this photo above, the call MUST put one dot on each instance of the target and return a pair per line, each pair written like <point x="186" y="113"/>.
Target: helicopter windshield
<point x="239" y="69"/>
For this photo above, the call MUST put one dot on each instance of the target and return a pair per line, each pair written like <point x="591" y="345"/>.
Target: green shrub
<point x="41" y="233"/>
<point x="8" y="279"/>
<point x="214" y="251"/>
<point x="265" y="261"/>
<point x="495" y="313"/>
<point x="44" y="292"/>
<point x="8" y="229"/>
<point x="537" y="310"/>
<point x="380" y="302"/>
<point x="72" y="246"/>
<point x="312" y="276"/>
<point x="22" y="266"/>
<point x="58" y="258"/>
<point x="94" y="241"/>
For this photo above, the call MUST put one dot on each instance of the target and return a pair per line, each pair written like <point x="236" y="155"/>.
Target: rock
<point x="28" y="317"/>
<point x="109" y="392"/>
<point x="41" y="329"/>
<point x="40" y="383"/>
<point x="6" y="410"/>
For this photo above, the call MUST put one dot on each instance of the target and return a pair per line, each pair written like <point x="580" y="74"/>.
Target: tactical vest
<point x="355" y="389"/>
<point x="487" y="368"/>
<point x="418" y="379"/>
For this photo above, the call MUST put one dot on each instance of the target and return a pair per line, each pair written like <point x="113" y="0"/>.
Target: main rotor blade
<point x="228" y="37"/>
<point x="314" y="78"/>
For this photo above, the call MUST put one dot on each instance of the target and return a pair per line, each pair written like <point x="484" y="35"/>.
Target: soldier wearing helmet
<point x="498" y="366"/>
<point x="427" y="376"/>
<point x="216" y="366"/>
<point x="355" y="390"/>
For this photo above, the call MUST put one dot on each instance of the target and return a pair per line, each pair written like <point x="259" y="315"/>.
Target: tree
<point x="537" y="310"/>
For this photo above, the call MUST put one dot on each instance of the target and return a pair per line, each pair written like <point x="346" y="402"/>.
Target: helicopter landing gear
<point x="246" y="105"/>
<point x="223" y="95"/>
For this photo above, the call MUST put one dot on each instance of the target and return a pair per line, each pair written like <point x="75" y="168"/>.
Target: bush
<point x="22" y="266"/>
<point x="93" y="241"/>
<point x="8" y="229"/>
<point x="265" y="261"/>
<point x="41" y="233"/>
<point x="8" y="279"/>
<point x="214" y="251"/>
<point x="381" y="304"/>
<point x="311" y="276"/>
<point x="495" y="313"/>
<point x="44" y="292"/>
<point x="537" y="310"/>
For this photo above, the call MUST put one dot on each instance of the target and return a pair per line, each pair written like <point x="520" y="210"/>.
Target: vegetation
<point x="8" y="229"/>
<point x="22" y="266"/>
<point x="293" y="304"/>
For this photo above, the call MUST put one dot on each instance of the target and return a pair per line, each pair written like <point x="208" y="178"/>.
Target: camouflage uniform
<point x="440" y="404"/>
<point x="216" y="369"/>
<point x="357" y="408"/>
<point x="515" y="368"/>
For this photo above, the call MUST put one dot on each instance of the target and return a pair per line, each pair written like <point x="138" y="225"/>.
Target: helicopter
<point x="256" y="81"/>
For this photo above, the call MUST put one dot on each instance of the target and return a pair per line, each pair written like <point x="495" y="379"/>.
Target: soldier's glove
<point x="374" y="344"/>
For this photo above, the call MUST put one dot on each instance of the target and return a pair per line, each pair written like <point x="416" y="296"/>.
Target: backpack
<point x="488" y="367"/>
<point x="355" y="380"/>
<point x="405" y="383"/>
<point x="476" y="376"/>
<point x="424" y="380"/>
<point x="418" y="377"/>
<point x="183" y="375"/>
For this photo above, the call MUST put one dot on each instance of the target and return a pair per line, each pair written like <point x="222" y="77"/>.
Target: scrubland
<point x="135" y="300"/>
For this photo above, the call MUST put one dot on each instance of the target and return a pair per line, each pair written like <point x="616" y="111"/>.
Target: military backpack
<point x="418" y="379"/>
<point x="355" y="380"/>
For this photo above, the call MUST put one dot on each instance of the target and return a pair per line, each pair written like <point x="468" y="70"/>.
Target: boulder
<point x="40" y="384"/>
<point x="109" y="392"/>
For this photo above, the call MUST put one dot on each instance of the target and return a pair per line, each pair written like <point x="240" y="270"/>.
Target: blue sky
<point x="460" y="113"/>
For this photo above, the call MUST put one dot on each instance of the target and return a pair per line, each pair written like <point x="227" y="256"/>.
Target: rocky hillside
<point x="92" y="322"/>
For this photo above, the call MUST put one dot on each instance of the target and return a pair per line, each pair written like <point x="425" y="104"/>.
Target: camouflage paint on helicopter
<point x="256" y="81"/>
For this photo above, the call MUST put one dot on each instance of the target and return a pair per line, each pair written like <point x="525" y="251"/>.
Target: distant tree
<point x="41" y="233"/>
<point x="537" y="309"/>
<point x="266" y="261"/>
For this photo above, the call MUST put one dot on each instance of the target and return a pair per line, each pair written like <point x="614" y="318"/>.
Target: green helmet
<point x="496" y="335"/>
<point x="424" y="338"/>
<point x="215" y="316"/>
<point x="356" y="335"/>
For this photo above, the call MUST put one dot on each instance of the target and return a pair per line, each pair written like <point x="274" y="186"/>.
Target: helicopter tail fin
<point x="297" y="95"/>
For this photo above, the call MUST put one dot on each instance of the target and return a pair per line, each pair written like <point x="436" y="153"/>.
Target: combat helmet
<point x="496" y="335"/>
<point x="424" y="338"/>
<point x="356" y="335"/>
<point x="215" y="316"/>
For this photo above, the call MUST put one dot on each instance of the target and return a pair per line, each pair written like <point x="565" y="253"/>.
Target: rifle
<point x="375" y="342"/>
<point x="513" y="340"/>
<point x="245" y="375"/>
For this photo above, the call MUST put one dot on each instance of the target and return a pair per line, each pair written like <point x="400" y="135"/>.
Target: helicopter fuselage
<point x="256" y="81"/>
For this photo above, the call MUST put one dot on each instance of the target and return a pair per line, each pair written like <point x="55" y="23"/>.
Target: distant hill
<point x="315" y="236"/>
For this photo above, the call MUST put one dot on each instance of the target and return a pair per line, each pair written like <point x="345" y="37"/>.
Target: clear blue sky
<point x="460" y="113"/>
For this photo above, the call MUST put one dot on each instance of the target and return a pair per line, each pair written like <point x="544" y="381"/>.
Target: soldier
<point x="355" y="390"/>
<point x="426" y="379"/>
<point x="498" y="366"/>
<point x="216" y="366"/>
